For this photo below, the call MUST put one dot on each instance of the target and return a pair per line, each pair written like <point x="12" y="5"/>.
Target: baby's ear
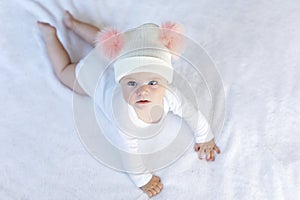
<point x="110" y="41"/>
<point x="172" y="37"/>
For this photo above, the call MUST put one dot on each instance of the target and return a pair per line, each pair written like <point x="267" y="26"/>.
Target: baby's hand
<point x="208" y="148"/>
<point x="153" y="187"/>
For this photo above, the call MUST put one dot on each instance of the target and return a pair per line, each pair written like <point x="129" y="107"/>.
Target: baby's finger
<point x="196" y="147"/>
<point x="156" y="189"/>
<point x="149" y="193"/>
<point x="208" y="156"/>
<point x="216" y="148"/>
<point x="156" y="179"/>
<point x="201" y="153"/>
<point x="212" y="155"/>
<point x="160" y="185"/>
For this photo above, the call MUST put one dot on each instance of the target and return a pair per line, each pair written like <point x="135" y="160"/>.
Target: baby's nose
<point x="143" y="90"/>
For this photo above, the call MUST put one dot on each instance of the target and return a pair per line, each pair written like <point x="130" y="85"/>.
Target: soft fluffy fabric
<point x="256" y="47"/>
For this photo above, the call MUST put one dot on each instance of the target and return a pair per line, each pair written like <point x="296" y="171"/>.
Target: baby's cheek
<point x="126" y="96"/>
<point x="131" y="99"/>
<point x="159" y="94"/>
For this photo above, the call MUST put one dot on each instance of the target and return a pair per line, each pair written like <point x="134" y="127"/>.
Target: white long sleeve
<point x="193" y="117"/>
<point x="132" y="161"/>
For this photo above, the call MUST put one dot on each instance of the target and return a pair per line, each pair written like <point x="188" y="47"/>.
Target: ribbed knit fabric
<point x="144" y="52"/>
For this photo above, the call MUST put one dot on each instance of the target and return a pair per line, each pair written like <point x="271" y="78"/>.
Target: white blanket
<point x="256" y="47"/>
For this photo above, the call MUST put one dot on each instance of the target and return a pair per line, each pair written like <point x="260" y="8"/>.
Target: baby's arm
<point x="133" y="162"/>
<point x="204" y="142"/>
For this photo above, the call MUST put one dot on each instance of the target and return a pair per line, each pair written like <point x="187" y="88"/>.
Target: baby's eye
<point x="132" y="83"/>
<point x="152" y="83"/>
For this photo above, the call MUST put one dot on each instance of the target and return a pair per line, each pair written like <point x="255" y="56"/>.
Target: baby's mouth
<point x="143" y="101"/>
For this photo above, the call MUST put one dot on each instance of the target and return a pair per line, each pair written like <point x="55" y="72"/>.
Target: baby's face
<point x="143" y="89"/>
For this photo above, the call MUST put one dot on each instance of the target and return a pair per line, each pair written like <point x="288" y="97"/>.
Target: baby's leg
<point x="60" y="60"/>
<point x="86" y="31"/>
<point x="153" y="187"/>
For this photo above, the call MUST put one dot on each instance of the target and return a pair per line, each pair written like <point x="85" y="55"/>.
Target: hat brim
<point x="143" y="64"/>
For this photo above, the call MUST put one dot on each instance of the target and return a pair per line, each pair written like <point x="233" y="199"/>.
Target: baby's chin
<point x="148" y="106"/>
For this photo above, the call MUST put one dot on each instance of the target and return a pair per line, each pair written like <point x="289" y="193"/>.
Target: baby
<point x="144" y="75"/>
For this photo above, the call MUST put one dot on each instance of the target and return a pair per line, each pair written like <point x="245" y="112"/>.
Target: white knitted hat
<point x="142" y="49"/>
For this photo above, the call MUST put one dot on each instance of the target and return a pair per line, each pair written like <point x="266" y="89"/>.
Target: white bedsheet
<point x="256" y="47"/>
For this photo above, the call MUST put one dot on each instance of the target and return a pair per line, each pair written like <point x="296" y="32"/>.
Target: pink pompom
<point x="171" y="36"/>
<point x="111" y="42"/>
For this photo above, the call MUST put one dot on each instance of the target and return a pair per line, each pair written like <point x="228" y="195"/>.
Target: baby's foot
<point x="153" y="187"/>
<point x="47" y="30"/>
<point x="68" y="20"/>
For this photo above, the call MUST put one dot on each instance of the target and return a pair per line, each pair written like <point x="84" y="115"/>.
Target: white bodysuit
<point x="131" y="131"/>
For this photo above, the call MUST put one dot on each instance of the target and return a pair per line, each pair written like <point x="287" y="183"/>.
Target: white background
<point x="256" y="47"/>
